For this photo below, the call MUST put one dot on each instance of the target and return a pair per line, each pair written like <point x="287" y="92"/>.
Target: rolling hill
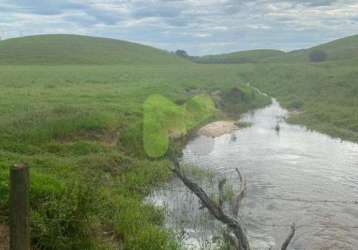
<point x="76" y="49"/>
<point x="250" y="56"/>
<point x="341" y="49"/>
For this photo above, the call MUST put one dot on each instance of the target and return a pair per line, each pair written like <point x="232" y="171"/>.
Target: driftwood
<point x="233" y="224"/>
<point x="239" y="238"/>
<point x="240" y="195"/>
<point x="289" y="237"/>
<point x="231" y="239"/>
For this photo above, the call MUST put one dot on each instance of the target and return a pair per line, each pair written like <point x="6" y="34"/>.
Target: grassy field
<point x="251" y="56"/>
<point x="79" y="128"/>
<point x="77" y="119"/>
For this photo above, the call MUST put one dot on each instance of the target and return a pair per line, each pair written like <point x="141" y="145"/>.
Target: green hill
<point x="75" y="49"/>
<point x="250" y="56"/>
<point x="341" y="49"/>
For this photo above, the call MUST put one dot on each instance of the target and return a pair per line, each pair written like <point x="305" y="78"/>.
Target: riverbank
<point x="325" y="94"/>
<point x="294" y="158"/>
<point x="83" y="140"/>
<point x="218" y="128"/>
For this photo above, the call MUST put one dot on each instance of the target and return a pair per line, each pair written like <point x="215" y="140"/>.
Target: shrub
<point x="317" y="56"/>
<point x="181" y="53"/>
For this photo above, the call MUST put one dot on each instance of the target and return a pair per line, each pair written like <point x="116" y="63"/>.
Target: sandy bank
<point x="218" y="128"/>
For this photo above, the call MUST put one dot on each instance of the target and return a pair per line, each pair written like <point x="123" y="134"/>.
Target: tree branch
<point x="289" y="237"/>
<point x="213" y="208"/>
<point x="240" y="195"/>
<point x="233" y="223"/>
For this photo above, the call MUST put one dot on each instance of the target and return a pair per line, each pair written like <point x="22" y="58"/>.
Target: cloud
<point x="314" y="2"/>
<point x="104" y="16"/>
<point x="205" y="26"/>
<point x="53" y="7"/>
<point x="80" y="19"/>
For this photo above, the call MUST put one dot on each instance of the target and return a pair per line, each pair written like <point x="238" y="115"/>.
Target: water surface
<point x="293" y="175"/>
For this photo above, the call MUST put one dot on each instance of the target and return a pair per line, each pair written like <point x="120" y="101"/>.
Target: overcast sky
<point x="198" y="26"/>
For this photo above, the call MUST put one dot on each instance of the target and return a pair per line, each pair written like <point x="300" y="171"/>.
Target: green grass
<point x="325" y="93"/>
<point x="163" y="120"/>
<point x="75" y="49"/>
<point x="250" y="56"/>
<point x="79" y="128"/>
<point x="341" y="49"/>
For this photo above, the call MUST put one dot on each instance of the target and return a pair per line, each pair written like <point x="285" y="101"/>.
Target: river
<point x="293" y="175"/>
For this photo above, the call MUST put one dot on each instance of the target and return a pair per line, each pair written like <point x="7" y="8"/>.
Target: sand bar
<point x="218" y="128"/>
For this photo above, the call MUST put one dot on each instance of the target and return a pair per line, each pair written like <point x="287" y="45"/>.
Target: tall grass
<point x="324" y="93"/>
<point x="80" y="129"/>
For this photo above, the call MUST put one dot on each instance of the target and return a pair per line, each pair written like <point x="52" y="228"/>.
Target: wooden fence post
<point x="19" y="208"/>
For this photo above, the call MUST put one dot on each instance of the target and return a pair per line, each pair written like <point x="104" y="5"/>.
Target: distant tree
<point x="317" y="56"/>
<point x="181" y="53"/>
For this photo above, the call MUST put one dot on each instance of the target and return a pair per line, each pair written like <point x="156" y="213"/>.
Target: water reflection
<point x="294" y="175"/>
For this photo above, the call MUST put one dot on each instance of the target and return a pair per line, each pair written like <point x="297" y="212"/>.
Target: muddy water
<point x="293" y="175"/>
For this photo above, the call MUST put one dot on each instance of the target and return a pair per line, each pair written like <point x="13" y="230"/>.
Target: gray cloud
<point x="314" y="2"/>
<point x="103" y="16"/>
<point x="40" y="7"/>
<point x="157" y="9"/>
<point x="205" y="26"/>
<point x="84" y="20"/>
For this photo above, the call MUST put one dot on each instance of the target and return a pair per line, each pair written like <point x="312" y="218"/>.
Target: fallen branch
<point x="289" y="237"/>
<point x="240" y="195"/>
<point x="231" y="239"/>
<point x="232" y="223"/>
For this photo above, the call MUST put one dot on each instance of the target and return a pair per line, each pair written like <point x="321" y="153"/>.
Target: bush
<point x="318" y="56"/>
<point x="181" y="53"/>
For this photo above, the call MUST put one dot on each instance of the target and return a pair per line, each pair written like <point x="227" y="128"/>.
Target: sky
<point x="197" y="26"/>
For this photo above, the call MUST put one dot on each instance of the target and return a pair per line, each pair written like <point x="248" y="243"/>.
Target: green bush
<point x="317" y="56"/>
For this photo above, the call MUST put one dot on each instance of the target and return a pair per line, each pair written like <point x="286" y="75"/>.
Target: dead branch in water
<point x="240" y="195"/>
<point x="231" y="239"/>
<point x="289" y="237"/>
<point x="239" y="238"/>
<point x="233" y="224"/>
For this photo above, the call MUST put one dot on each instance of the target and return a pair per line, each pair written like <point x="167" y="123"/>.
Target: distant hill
<point x="250" y="56"/>
<point x="341" y="49"/>
<point x="75" y="49"/>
